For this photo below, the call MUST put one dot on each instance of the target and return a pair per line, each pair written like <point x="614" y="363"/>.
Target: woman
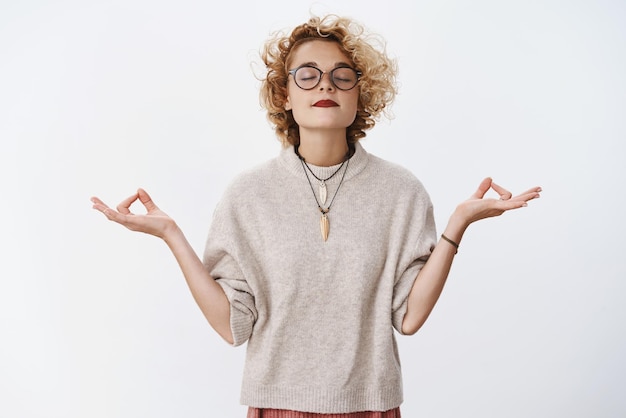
<point x="315" y="256"/>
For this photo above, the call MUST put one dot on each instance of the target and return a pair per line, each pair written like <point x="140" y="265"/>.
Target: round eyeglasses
<point x="308" y="77"/>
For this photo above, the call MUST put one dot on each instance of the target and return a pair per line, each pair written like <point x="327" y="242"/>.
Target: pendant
<point x="323" y="192"/>
<point x="324" y="226"/>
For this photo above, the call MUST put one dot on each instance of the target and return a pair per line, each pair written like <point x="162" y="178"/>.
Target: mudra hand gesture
<point x="158" y="223"/>
<point x="154" y="222"/>
<point x="477" y="207"/>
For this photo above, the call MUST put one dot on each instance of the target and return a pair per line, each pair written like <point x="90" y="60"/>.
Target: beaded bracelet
<point x="456" y="246"/>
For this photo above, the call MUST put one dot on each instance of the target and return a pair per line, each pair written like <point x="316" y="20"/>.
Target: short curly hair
<point x="377" y="84"/>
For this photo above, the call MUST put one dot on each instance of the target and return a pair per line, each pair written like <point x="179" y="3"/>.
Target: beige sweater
<point x="317" y="315"/>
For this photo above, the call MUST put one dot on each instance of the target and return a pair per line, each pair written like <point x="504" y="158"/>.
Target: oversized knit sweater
<point x="318" y="316"/>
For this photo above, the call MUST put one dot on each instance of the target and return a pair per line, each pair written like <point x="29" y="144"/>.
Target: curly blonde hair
<point x="377" y="84"/>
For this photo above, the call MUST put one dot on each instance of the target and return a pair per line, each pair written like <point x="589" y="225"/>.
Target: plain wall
<point x="99" y="98"/>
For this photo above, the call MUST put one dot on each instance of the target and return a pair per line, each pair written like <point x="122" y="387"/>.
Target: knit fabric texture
<point x="318" y="316"/>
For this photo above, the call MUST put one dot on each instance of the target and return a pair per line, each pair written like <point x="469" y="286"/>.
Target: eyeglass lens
<point x="344" y="78"/>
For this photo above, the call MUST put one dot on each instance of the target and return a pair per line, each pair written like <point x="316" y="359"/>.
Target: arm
<point x="432" y="277"/>
<point x="207" y="293"/>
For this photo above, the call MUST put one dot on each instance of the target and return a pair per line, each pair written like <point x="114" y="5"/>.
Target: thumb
<point x="146" y="200"/>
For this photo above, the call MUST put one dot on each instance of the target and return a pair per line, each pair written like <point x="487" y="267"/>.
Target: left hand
<point x="477" y="207"/>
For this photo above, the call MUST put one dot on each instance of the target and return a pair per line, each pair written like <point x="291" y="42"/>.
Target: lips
<point x="325" y="103"/>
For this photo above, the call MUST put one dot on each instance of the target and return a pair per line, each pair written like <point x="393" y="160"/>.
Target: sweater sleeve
<point x="420" y="246"/>
<point x="243" y="314"/>
<point x="222" y="258"/>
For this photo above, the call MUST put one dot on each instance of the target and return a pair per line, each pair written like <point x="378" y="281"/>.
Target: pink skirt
<point x="283" y="413"/>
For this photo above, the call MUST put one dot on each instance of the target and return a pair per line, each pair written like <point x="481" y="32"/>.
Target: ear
<point x="287" y="104"/>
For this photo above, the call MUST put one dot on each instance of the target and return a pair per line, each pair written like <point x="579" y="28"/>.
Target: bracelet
<point x="456" y="246"/>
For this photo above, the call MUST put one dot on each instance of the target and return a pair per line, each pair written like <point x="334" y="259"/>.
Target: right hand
<point x="154" y="222"/>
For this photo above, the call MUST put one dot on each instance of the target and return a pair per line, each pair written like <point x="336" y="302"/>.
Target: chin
<point x="330" y="124"/>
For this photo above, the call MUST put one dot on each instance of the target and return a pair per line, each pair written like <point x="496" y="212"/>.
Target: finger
<point x="124" y="206"/>
<point x="535" y="190"/>
<point x="504" y="193"/>
<point x="484" y="186"/>
<point x="529" y="194"/>
<point x="115" y="216"/>
<point x="146" y="200"/>
<point x="111" y="214"/>
<point x="510" y="204"/>
<point x="96" y="201"/>
<point x="98" y="204"/>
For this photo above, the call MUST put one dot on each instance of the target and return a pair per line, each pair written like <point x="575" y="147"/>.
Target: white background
<point x="99" y="98"/>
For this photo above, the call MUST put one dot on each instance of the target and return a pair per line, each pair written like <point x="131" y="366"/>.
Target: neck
<point x="323" y="149"/>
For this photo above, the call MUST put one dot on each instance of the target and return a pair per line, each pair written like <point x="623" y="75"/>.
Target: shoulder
<point x="386" y="167"/>
<point x="395" y="177"/>
<point x="251" y="180"/>
<point x="239" y="202"/>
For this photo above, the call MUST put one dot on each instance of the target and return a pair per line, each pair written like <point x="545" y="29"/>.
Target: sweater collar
<point x="290" y="160"/>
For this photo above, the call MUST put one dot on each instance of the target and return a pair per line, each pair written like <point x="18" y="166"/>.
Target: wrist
<point x="451" y="242"/>
<point x="171" y="232"/>
<point x="457" y="224"/>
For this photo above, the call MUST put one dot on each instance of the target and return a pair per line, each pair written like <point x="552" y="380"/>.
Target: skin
<point x="322" y="130"/>
<point x="322" y="142"/>
<point x="432" y="277"/>
<point x="209" y="295"/>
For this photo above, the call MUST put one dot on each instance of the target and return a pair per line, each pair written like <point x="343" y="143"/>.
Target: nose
<point x="326" y="82"/>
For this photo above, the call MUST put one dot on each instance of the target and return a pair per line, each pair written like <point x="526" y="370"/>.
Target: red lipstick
<point x="325" y="103"/>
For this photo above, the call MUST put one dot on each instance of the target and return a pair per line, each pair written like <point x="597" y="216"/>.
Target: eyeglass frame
<point x="330" y="74"/>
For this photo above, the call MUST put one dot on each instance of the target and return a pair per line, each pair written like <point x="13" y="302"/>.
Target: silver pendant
<point x="323" y="192"/>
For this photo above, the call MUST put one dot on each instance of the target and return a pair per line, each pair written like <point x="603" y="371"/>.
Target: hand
<point x="477" y="208"/>
<point x="154" y="222"/>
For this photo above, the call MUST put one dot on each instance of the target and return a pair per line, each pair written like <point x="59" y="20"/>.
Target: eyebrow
<point x="314" y="64"/>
